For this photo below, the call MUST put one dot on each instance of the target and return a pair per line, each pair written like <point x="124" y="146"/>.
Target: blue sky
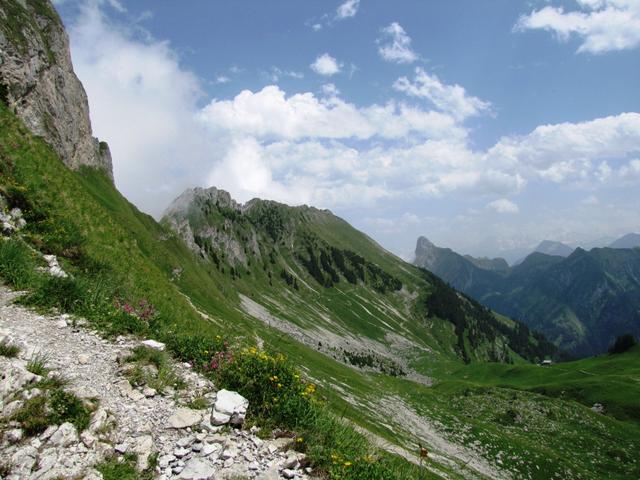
<point x="486" y="126"/>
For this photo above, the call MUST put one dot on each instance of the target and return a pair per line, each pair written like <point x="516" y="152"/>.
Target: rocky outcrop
<point x="38" y="83"/>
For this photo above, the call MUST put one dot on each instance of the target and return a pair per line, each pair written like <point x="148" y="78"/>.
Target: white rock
<point x="144" y="448"/>
<point x="181" y="452"/>
<point x="211" y="448"/>
<point x="154" y="344"/>
<point x="121" y="448"/>
<point x="83" y="358"/>
<point x="232" y="404"/>
<point x="165" y="460"/>
<point x="286" y="473"/>
<point x="14" y="435"/>
<point x="62" y="323"/>
<point x="149" y="392"/>
<point x="88" y="439"/>
<point x="184" y="417"/>
<point x="98" y="419"/>
<point x="218" y="418"/>
<point x="64" y="436"/>
<point x="198" y="469"/>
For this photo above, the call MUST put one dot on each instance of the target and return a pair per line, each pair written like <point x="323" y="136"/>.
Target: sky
<point x="485" y="126"/>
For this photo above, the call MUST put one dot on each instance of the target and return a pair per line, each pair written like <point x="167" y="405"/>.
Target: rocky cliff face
<point x="37" y="81"/>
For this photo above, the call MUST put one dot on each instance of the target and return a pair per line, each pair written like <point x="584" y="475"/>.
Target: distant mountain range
<point x="581" y="300"/>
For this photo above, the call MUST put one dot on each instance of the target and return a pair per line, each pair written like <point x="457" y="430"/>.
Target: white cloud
<point x="326" y="65"/>
<point x="395" y="45"/>
<point x="330" y="90"/>
<point x="568" y="151"/>
<point x="347" y="9"/>
<point x="269" y="113"/>
<point x="503" y="205"/>
<point x="602" y="25"/>
<point x="222" y="79"/>
<point x="451" y="99"/>
<point x="142" y="102"/>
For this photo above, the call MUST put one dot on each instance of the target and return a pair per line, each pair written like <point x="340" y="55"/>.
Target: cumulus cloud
<point x="601" y="25"/>
<point x="503" y="205"/>
<point x="326" y="65"/>
<point x="568" y="151"/>
<point x="142" y="103"/>
<point x="347" y="10"/>
<point x="269" y="113"/>
<point x="451" y="99"/>
<point x="394" y="45"/>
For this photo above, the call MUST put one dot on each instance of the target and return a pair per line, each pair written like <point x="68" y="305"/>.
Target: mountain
<point x="580" y="302"/>
<point x="398" y="358"/>
<point x="630" y="240"/>
<point x="549" y="247"/>
<point x="319" y="275"/>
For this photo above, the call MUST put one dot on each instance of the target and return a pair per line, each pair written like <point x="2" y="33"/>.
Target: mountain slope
<point x="581" y="302"/>
<point x="334" y="288"/>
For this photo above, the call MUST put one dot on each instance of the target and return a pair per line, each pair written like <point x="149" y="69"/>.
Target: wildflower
<point x="347" y="463"/>
<point x="299" y="439"/>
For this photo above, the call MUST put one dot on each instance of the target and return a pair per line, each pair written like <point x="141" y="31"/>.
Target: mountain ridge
<point x="570" y="299"/>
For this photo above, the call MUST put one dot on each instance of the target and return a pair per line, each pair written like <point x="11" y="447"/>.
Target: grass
<point x="17" y="263"/>
<point x="153" y="369"/>
<point x="123" y="468"/>
<point x="54" y="407"/>
<point x="9" y="350"/>
<point x="37" y="364"/>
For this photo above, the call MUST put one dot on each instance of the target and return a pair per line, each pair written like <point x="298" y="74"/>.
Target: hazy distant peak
<point x="551" y="247"/>
<point x="630" y="240"/>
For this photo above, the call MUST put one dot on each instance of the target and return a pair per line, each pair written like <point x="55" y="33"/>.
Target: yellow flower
<point x="299" y="439"/>
<point x="347" y="463"/>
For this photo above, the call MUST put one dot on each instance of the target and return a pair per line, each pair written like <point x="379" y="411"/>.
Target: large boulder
<point x="230" y="407"/>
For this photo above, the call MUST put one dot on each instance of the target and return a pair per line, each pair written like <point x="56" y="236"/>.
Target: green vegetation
<point x="8" y="349"/>
<point x="151" y="367"/>
<point x="279" y="397"/>
<point x="53" y="407"/>
<point x="123" y="468"/>
<point x="37" y="364"/>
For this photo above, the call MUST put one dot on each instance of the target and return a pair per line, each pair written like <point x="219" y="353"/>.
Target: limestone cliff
<point x="37" y="81"/>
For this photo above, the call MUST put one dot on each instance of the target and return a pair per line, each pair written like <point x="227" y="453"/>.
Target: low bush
<point x="280" y="398"/>
<point x="54" y="407"/>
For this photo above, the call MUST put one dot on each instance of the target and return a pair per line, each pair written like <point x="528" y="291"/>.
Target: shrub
<point x="66" y="407"/>
<point x="280" y="398"/>
<point x="53" y="407"/>
<point x="622" y="344"/>
<point x="8" y="349"/>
